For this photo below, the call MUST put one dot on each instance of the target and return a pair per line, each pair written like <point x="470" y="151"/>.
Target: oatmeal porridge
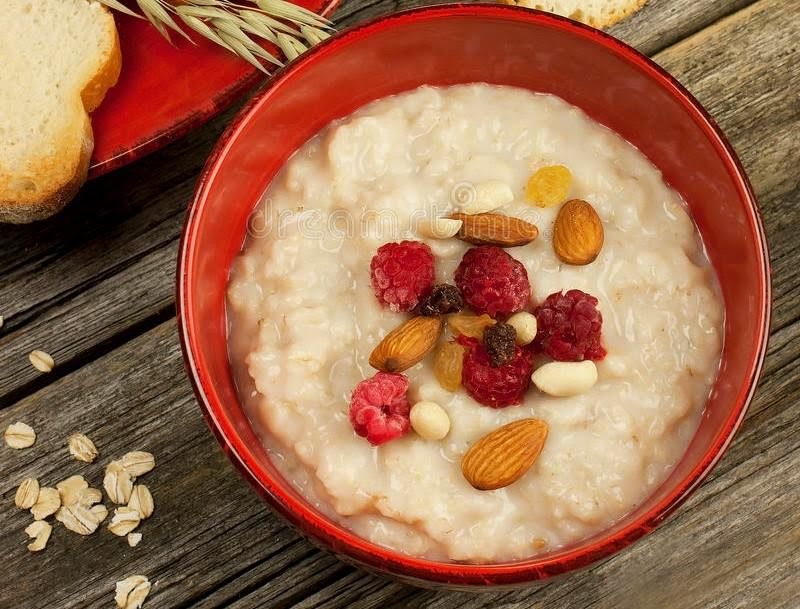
<point x="472" y="324"/>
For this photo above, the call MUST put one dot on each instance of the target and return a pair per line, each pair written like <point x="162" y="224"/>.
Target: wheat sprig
<point x="236" y="26"/>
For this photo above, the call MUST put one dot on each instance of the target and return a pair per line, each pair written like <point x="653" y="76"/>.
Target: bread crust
<point x="612" y="18"/>
<point x="95" y="90"/>
<point x="27" y="207"/>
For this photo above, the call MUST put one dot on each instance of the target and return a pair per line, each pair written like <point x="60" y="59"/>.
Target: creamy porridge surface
<point x="304" y="320"/>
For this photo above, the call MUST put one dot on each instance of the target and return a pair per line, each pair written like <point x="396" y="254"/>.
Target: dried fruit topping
<point x="569" y="327"/>
<point x="468" y="324"/>
<point x="491" y="281"/>
<point x="406" y="345"/>
<point x="495" y="387"/>
<point x="577" y="233"/>
<point x="443" y="299"/>
<point x="402" y="274"/>
<point x="549" y="186"/>
<point x="447" y="365"/>
<point x="379" y="409"/>
<point x="495" y="229"/>
<point x="504" y="455"/>
<point x="501" y="342"/>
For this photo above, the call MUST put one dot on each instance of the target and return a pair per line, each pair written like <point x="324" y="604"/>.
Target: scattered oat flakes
<point x="78" y="519"/>
<point x="138" y="463"/>
<point x="19" y="435"/>
<point x="27" y="494"/>
<point x="131" y="592"/>
<point x="123" y="521"/>
<point x="47" y="502"/>
<point x="42" y="361"/>
<point x="39" y="531"/>
<point x="82" y="448"/>
<point x="118" y="483"/>
<point x="90" y="496"/>
<point x="142" y="501"/>
<point x="99" y="511"/>
<point x="134" y="539"/>
<point x="71" y="489"/>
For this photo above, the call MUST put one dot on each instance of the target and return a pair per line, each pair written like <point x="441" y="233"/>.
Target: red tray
<point x="165" y="90"/>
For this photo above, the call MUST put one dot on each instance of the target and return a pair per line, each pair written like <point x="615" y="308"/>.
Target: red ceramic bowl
<point x="459" y="44"/>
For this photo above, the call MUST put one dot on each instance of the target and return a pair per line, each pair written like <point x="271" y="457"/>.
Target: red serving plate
<point x="164" y="90"/>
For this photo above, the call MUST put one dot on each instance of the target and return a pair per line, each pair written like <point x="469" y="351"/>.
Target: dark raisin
<point x="443" y="299"/>
<point x="500" y="341"/>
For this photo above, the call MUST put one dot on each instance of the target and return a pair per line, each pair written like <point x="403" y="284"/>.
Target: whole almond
<point x="495" y="229"/>
<point x="578" y="233"/>
<point x="504" y="455"/>
<point x="405" y="346"/>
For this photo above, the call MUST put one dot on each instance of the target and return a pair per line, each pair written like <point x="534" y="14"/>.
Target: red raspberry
<point x="493" y="282"/>
<point x="379" y="409"/>
<point x="402" y="273"/>
<point x="495" y="387"/>
<point x="569" y="327"/>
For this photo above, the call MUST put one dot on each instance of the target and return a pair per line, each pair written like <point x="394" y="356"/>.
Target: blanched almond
<point x="429" y="420"/>
<point x="565" y="379"/>
<point x="525" y="325"/>
<point x="439" y="228"/>
<point x="405" y="346"/>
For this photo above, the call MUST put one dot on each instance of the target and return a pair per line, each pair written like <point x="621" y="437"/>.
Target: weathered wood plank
<point x="656" y="26"/>
<point x="744" y="71"/>
<point x="229" y="547"/>
<point x="136" y="398"/>
<point x="103" y="266"/>
<point x="662" y="23"/>
<point x="211" y="543"/>
<point x="98" y="270"/>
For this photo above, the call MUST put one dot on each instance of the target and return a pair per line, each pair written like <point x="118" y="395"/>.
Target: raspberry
<point x="569" y="327"/>
<point x="495" y="387"/>
<point x="379" y="409"/>
<point x="443" y="299"/>
<point x="402" y="273"/>
<point x="492" y="282"/>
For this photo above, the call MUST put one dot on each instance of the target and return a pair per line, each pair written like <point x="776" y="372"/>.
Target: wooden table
<point x="94" y="287"/>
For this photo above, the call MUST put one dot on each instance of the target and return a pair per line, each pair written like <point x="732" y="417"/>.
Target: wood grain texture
<point x="94" y="287"/>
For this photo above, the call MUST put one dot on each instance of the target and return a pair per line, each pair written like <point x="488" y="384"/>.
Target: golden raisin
<point x="447" y="365"/>
<point x="469" y="324"/>
<point x="549" y="186"/>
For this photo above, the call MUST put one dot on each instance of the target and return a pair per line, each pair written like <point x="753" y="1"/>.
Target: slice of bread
<point x="597" y="13"/>
<point x="59" y="57"/>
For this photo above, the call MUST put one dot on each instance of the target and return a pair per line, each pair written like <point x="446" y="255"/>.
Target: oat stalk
<point x="237" y="27"/>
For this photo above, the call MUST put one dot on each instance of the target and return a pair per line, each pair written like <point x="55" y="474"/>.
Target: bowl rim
<point x="336" y="538"/>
